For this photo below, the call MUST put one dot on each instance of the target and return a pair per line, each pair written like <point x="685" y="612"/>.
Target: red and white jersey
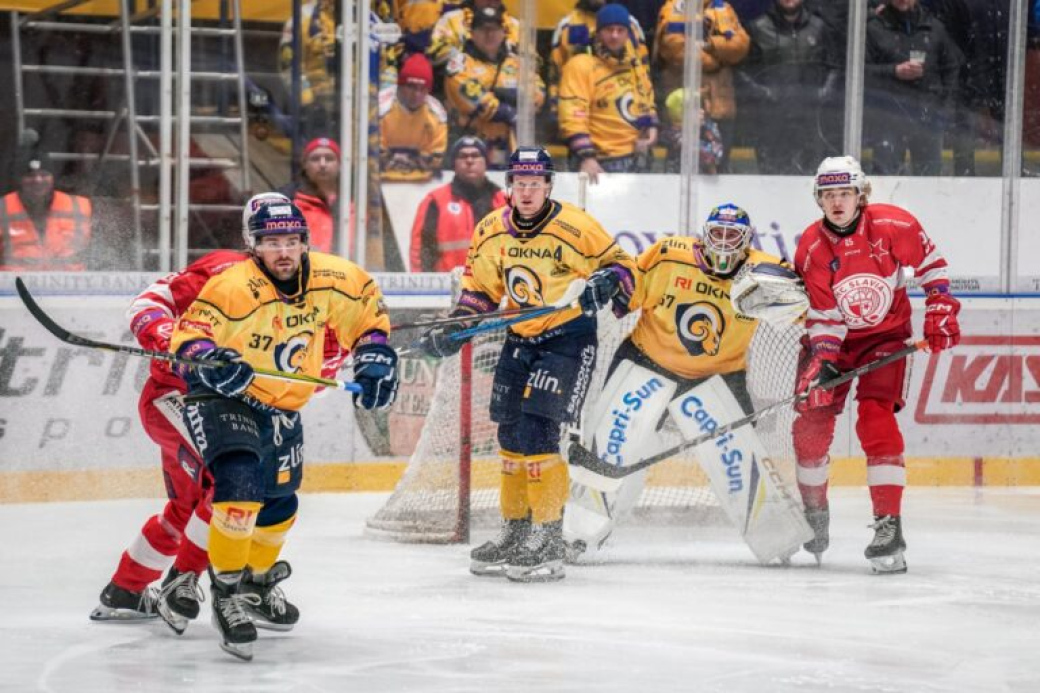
<point x="154" y="312"/>
<point x="857" y="283"/>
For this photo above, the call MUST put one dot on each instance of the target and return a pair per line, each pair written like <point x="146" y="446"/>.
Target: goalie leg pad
<point x="742" y="475"/>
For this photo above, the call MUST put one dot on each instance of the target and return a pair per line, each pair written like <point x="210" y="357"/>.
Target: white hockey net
<point x="436" y="501"/>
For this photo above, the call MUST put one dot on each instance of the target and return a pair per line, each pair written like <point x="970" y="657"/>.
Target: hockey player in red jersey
<point x="854" y="263"/>
<point x="176" y="538"/>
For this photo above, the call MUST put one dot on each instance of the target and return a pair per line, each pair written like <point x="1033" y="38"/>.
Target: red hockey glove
<point x="820" y="368"/>
<point x="153" y="329"/>
<point x="940" y="321"/>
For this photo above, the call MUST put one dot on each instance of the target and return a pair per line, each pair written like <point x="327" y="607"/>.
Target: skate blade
<point x="481" y="569"/>
<point x="106" y="614"/>
<point x="547" y="572"/>
<point x="260" y="622"/>
<point x="888" y="565"/>
<point x="243" y="651"/>
<point x="177" y="623"/>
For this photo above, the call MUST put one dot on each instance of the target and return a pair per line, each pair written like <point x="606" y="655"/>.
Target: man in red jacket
<point x="446" y="217"/>
<point x="854" y="263"/>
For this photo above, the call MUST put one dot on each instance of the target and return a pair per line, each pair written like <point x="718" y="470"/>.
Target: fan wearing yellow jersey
<point x="274" y="311"/>
<point x="529" y="253"/>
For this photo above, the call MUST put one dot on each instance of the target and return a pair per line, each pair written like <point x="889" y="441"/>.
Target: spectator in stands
<point x="446" y="217"/>
<point x="317" y="194"/>
<point x="482" y="85"/>
<point x="574" y="34"/>
<point x="712" y="148"/>
<point x="317" y="64"/>
<point x="912" y="67"/>
<point x="453" y="29"/>
<point x="417" y="19"/>
<point x="785" y="79"/>
<point x="413" y="126"/>
<point x="607" y="113"/>
<point x="980" y="30"/>
<point x="43" y="229"/>
<point x="726" y="44"/>
<point x="645" y="12"/>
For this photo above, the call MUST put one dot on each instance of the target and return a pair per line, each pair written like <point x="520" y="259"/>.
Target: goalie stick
<point x="583" y="457"/>
<point x="76" y="340"/>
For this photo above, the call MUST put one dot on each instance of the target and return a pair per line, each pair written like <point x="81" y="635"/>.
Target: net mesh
<point x="425" y="505"/>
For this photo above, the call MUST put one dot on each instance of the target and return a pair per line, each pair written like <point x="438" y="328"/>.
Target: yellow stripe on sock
<point x="231" y="533"/>
<point x="267" y="545"/>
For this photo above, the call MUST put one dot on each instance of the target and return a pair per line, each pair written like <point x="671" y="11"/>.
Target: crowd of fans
<point x="609" y="95"/>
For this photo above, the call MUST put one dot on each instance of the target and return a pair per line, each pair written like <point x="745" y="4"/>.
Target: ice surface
<point x="660" y="610"/>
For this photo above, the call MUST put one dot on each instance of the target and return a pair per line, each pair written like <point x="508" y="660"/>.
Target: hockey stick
<point x="76" y="340"/>
<point x="568" y="300"/>
<point x="583" y="457"/>
<point x="440" y="322"/>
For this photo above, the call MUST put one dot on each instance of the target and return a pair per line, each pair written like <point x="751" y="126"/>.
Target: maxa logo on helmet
<point x="834" y="179"/>
<point x="539" y="167"/>
<point x="272" y="224"/>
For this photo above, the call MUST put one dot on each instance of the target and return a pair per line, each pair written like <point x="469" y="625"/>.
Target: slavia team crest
<point x="700" y="326"/>
<point x="864" y="299"/>
<point x="524" y="286"/>
<point x="289" y="356"/>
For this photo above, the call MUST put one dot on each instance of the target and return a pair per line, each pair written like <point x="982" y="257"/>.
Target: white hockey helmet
<point x="841" y="172"/>
<point x="255" y="203"/>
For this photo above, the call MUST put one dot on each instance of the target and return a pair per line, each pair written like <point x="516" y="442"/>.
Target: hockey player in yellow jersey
<point x="574" y="34"/>
<point x="607" y="113"/>
<point x="529" y="253"/>
<point x="482" y="86"/>
<point x="274" y="311"/>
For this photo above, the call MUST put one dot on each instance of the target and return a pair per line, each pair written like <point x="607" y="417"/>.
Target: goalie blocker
<point x="622" y="430"/>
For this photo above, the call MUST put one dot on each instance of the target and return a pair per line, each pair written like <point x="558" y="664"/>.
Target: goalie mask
<point x="727" y="234"/>
<point x="841" y="172"/>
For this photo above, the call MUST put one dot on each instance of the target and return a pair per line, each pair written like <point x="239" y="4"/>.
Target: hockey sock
<point x="192" y="556"/>
<point x="230" y="534"/>
<point x="886" y="477"/>
<point x="513" y="490"/>
<point x="812" y="481"/>
<point x="267" y="545"/>
<point x="547" y="487"/>
<point x="148" y="556"/>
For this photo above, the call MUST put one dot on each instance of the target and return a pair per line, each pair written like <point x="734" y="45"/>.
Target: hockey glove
<point x="375" y="370"/>
<point x="438" y="342"/>
<point x="940" y="321"/>
<point x="820" y="368"/>
<point x="230" y="379"/>
<point x="599" y="289"/>
<point x="153" y="329"/>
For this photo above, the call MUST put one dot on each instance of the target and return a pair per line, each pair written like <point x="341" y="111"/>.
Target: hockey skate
<point x="820" y="522"/>
<point x="273" y="611"/>
<point x="540" y="557"/>
<point x="490" y="558"/>
<point x="123" y="606"/>
<point x="230" y="617"/>
<point x="885" y="552"/>
<point x="179" y="599"/>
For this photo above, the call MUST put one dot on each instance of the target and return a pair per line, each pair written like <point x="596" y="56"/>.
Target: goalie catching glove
<point x="375" y="370"/>
<point x="770" y="292"/>
<point x="230" y="379"/>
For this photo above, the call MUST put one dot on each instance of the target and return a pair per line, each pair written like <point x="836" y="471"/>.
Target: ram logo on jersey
<point x="289" y="356"/>
<point x="625" y="104"/>
<point x="700" y="327"/>
<point x="524" y="286"/>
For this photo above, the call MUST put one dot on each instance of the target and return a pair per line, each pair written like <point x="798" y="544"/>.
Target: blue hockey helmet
<point x="727" y="234"/>
<point x="277" y="219"/>
<point x="530" y="161"/>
